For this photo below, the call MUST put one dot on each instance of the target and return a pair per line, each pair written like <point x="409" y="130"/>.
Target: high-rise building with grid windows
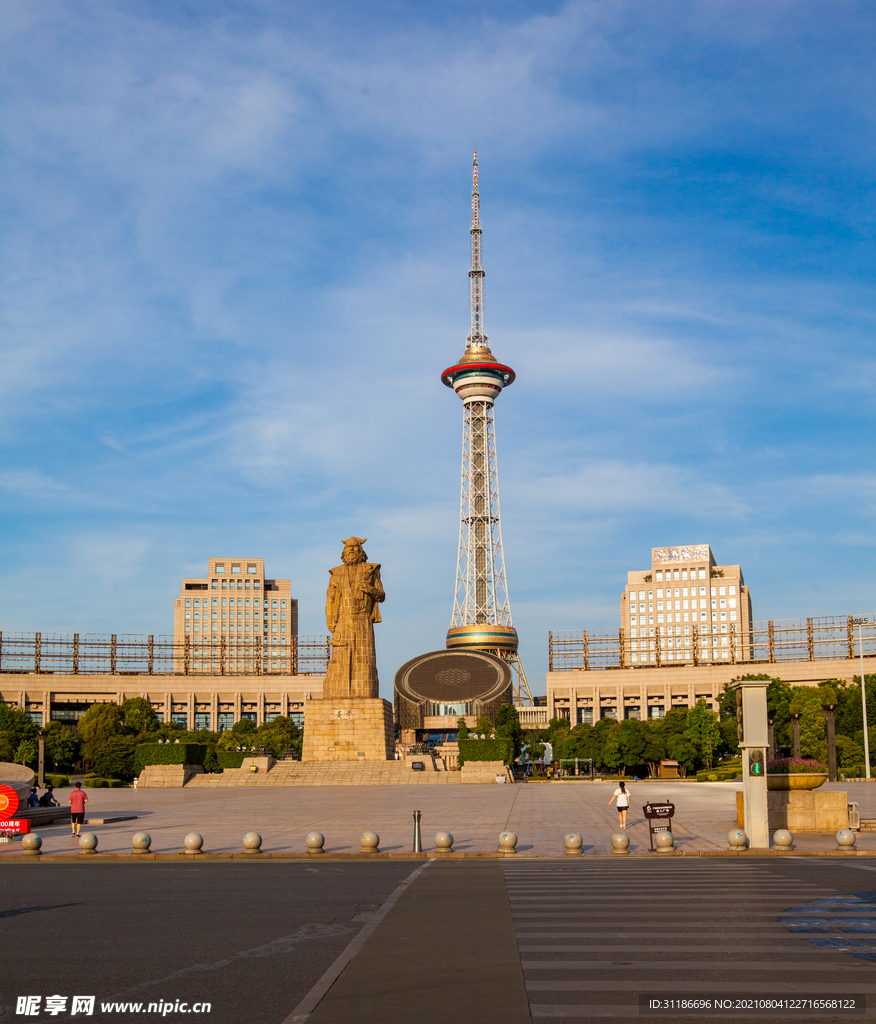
<point x="236" y="618"/>
<point x="686" y="608"/>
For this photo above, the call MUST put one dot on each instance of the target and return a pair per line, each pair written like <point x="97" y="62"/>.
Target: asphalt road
<point x="488" y="941"/>
<point x="251" y="939"/>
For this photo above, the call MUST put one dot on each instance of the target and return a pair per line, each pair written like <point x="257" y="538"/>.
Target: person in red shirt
<point x="78" y="800"/>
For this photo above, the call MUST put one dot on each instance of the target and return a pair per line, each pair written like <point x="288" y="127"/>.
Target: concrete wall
<point x="179" y="694"/>
<point x="676" y="685"/>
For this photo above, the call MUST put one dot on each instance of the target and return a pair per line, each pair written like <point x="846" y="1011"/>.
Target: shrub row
<point x="168" y="753"/>
<point x="485" y="750"/>
<point x="92" y="782"/>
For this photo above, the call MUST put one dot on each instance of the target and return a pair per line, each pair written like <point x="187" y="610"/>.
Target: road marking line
<point x="313" y="998"/>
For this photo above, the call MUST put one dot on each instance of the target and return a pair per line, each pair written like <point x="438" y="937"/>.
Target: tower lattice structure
<point x="481" y="608"/>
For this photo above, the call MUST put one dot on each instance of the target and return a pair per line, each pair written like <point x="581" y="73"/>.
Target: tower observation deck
<point x="481" y="617"/>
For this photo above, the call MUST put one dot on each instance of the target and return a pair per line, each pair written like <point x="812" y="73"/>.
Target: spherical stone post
<point x="141" y="843"/>
<point x="620" y="843"/>
<point x="87" y="844"/>
<point x="370" y="842"/>
<point x="737" y="840"/>
<point x="31" y="843"/>
<point x="573" y="844"/>
<point x="783" y="840"/>
<point x="665" y="842"/>
<point x="315" y="841"/>
<point x="444" y="842"/>
<point x="845" y="840"/>
<point x="508" y="843"/>
<point x="193" y="843"/>
<point x="252" y="843"/>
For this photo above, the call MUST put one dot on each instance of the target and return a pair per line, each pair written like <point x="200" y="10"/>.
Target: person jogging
<point x="78" y="800"/>
<point x="623" y="802"/>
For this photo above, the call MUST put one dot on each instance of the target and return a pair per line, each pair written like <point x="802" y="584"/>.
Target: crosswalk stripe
<point x="691" y="965"/>
<point x="737" y="924"/>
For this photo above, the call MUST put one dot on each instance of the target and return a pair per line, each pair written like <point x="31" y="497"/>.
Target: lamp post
<point x="795" y="718"/>
<point x="829" y="710"/>
<point x="41" y="762"/>
<point x="859" y="623"/>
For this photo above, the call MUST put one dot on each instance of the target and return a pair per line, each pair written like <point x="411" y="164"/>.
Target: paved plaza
<point x="540" y="814"/>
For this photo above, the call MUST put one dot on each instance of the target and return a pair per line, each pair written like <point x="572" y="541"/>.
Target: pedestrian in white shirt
<point x="623" y="802"/>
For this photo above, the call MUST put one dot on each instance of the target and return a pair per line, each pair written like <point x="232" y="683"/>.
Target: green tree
<point x="61" y="746"/>
<point x="850" y="713"/>
<point x="701" y="730"/>
<point x="139" y="715"/>
<point x="16" y="725"/>
<point x="631" y="742"/>
<point x="611" y="751"/>
<point x="100" y="722"/>
<point x="807" y="701"/>
<point x="654" y="745"/>
<point x="113" y="758"/>
<point x="27" y="753"/>
<point x="280" y="735"/>
<point x="508" y="727"/>
<point x="462" y="729"/>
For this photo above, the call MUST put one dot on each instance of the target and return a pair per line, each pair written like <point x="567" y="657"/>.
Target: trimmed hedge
<point x="719" y="775"/>
<point x="168" y="753"/>
<point x="96" y="783"/>
<point x="58" y="781"/>
<point x="485" y="750"/>
<point x="230" y="758"/>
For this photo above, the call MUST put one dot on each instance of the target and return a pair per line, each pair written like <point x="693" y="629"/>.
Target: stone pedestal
<point x="348" y="729"/>
<point x="802" y="811"/>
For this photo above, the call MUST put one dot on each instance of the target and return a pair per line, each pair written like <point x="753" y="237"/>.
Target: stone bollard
<point x="87" y="844"/>
<point x="252" y="843"/>
<point x="508" y="843"/>
<point x="193" y="843"/>
<point x="31" y="843"/>
<point x="845" y="841"/>
<point x="665" y="842"/>
<point x="141" y="842"/>
<point x="620" y="843"/>
<point x="444" y="842"/>
<point x="573" y="844"/>
<point x="315" y="841"/>
<point x="370" y="842"/>
<point x="737" y="840"/>
<point x="783" y="840"/>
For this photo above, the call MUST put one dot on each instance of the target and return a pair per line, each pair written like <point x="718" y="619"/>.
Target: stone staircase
<point x="349" y="773"/>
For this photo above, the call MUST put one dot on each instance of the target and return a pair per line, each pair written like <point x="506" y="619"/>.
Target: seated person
<point x="48" y="799"/>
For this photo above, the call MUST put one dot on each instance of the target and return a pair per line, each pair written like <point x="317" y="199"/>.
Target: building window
<point x="235" y="570"/>
<point x="220" y="569"/>
<point x="226" y="720"/>
<point x="255" y="584"/>
<point x="274" y="603"/>
<point x="732" y="616"/>
<point x="722" y="591"/>
<point x="251" y="569"/>
<point x="732" y="590"/>
<point x="215" y="585"/>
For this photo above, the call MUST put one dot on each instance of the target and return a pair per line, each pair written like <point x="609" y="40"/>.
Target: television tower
<point x="481" y="609"/>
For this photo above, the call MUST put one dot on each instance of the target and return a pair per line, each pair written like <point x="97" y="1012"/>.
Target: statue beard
<point x="353" y="556"/>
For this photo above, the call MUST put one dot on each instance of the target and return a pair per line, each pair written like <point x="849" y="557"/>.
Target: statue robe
<point x="351" y="609"/>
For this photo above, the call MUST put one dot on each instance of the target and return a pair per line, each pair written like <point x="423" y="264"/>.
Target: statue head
<point x="353" y="553"/>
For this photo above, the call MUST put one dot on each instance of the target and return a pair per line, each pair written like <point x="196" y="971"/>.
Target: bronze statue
<point x="351" y="609"/>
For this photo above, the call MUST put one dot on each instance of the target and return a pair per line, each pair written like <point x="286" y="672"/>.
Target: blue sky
<point x="233" y="262"/>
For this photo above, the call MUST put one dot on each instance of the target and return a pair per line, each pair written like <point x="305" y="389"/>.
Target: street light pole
<point x="859" y="623"/>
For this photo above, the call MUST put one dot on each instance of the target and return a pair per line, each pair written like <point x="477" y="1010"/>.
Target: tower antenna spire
<point x="477" y="341"/>
<point x="481" y="617"/>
